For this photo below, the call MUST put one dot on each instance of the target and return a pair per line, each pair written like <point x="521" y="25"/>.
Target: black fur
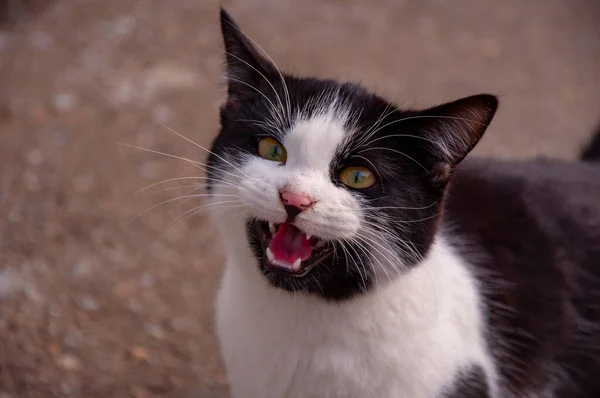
<point x="530" y="230"/>
<point x="592" y="150"/>
<point x="469" y="383"/>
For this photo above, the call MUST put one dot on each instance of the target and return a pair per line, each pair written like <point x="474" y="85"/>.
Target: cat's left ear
<point x="453" y="129"/>
<point x="247" y="69"/>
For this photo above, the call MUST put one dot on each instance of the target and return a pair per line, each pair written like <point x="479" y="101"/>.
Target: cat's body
<point x="545" y="334"/>
<point x="414" y="278"/>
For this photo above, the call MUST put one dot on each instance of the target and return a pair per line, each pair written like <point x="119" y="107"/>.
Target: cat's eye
<point x="270" y="149"/>
<point x="357" y="177"/>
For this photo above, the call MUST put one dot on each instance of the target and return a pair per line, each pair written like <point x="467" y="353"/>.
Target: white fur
<point x="408" y="338"/>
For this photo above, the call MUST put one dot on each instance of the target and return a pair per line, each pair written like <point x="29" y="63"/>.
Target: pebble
<point x="154" y="330"/>
<point x="88" y="304"/>
<point x="68" y="362"/>
<point x="35" y="157"/>
<point x="15" y="215"/>
<point x="149" y="170"/>
<point x="64" y="101"/>
<point x="139" y="354"/>
<point x="146" y="279"/>
<point x="162" y="114"/>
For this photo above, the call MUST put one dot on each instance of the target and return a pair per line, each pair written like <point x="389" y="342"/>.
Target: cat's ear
<point x="247" y="69"/>
<point x="453" y="129"/>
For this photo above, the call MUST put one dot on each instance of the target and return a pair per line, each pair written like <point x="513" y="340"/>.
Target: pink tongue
<point x="290" y="244"/>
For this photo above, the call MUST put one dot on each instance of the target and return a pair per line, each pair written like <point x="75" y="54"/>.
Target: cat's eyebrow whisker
<point x="395" y="151"/>
<point x="374" y="128"/>
<point x="201" y="147"/>
<point x="424" y="117"/>
<point x="200" y="195"/>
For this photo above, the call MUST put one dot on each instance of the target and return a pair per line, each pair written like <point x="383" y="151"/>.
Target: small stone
<point x="64" y="101"/>
<point x="162" y="114"/>
<point x="72" y="339"/>
<point x="124" y="26"/>
<point x="154" y="330"/>
<point x="139" y="354"/>
<point x="149" y="170"/>
<point x="61" y="138"/>
<point x="68" y="362"/>
<point x="9" y="283"/>
<point x="88" y="304"/>
<point x="15" y="215"/>
<point x="35" y="157"/>
<point x="146" y="280"/>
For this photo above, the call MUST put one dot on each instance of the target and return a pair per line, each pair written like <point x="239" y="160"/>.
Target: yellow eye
<point x="357" y="177"/>
<point x="271" y="149"/>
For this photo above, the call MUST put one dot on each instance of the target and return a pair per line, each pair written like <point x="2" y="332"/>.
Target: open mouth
<point x="289" y="250"/>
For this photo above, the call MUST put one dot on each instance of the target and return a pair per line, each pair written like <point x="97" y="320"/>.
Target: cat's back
<point x="531" y="231"/>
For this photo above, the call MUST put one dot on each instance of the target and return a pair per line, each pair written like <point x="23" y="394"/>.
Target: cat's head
<point x="336" y="190"/>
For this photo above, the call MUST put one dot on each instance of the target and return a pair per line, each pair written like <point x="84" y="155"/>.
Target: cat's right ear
<point x="247" y="70"/>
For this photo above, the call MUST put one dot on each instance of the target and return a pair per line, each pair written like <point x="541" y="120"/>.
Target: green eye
<point x="271" y="149"/>
<point x="357" y="177"/>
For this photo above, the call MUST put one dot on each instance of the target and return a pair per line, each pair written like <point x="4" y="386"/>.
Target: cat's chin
<point x="285" y="252"/>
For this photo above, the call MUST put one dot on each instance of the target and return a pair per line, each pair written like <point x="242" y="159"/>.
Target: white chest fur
<point x="408" y="339"/>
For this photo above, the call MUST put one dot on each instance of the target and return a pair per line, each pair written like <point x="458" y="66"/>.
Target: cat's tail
<point x="592" y="151"/>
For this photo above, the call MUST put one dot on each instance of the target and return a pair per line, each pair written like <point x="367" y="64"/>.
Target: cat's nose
<point x="294" y="203"/>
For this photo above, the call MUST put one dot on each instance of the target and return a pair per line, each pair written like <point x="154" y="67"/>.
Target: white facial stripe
<point x="312" y="143"/>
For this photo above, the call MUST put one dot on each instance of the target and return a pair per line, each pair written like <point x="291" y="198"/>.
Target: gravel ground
<point x="95" y="304"/>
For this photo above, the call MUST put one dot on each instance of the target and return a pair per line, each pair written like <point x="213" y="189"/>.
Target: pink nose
<point x="297" y="200"/>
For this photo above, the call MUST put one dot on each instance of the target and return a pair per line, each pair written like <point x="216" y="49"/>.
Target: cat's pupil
<point x="275" y="151"/>
<point x="357" y="177"/>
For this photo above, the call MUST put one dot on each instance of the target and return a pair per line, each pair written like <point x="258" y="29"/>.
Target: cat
<point x="362" y="261"/>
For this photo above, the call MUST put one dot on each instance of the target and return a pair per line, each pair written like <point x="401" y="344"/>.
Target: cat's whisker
<point x="400" y="207"/>
<point x="195" y="211"/>
<point x="200" y="195"/>
<point x="201" y="147"/>
<point x="199" y="165"/>
<point x="428" y="117"/>
<point x="395" y="151"/>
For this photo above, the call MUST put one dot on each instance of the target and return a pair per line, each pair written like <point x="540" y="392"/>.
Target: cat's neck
<point x="424" y="289"/>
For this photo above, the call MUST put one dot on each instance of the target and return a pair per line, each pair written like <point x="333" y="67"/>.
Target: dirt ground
<point x="92" y="305"/>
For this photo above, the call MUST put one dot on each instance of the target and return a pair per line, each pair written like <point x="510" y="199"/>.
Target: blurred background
<point x="95" y="304"/>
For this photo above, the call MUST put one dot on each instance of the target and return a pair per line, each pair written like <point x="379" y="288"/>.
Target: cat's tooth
<point x="272" y="227"/>
<point x="296" y="264"/>
<point x="308" y="236"/>
<point x="270" y="255"/>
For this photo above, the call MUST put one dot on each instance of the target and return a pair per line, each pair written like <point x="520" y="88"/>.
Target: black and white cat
<point x="361" y="262"/>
